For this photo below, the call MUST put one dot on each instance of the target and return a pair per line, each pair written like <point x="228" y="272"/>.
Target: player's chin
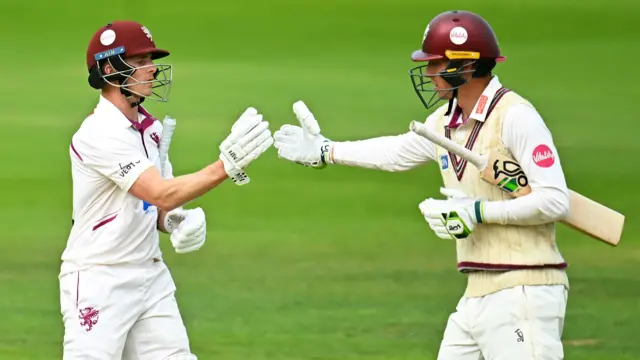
<point x="444" y="94"/>
<point x="145" y="91"/>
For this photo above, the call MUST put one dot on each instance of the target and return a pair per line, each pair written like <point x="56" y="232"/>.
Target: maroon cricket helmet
<point x="124" y="38"/>
<point x="469" y="44"/>
<point x="115" y="42"/>
<point x="458" y="35"/>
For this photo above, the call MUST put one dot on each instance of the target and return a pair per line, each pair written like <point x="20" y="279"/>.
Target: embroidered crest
<point x="147" y="32"/>
<point x="88" y="317"/>
<point x="155" y="137"/>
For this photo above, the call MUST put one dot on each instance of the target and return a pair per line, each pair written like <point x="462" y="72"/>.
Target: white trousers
<point x="523" y="323"/>
<point x="121" y="312"/>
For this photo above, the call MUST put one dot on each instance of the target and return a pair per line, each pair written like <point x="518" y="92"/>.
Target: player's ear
<point x="107" y="69"/>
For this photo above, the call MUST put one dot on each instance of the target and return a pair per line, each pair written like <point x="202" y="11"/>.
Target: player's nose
<point x="153" y="71"/>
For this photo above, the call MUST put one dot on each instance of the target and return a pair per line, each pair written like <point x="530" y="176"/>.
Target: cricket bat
<point x="168" y="127"/>
<point x="585" y="215"/>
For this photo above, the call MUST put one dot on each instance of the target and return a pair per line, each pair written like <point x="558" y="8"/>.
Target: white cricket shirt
<point x="525" y="135"/>
<point x="110" y="226"/>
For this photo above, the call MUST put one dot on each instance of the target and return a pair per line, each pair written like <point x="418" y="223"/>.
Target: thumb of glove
<point x="453" y="193"/>
<point x="305" y="117"/>
<point x="177" y="215"/>
<point x="173" y="218"/>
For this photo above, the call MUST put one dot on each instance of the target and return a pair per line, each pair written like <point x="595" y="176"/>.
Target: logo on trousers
<point x="88" y="317"/>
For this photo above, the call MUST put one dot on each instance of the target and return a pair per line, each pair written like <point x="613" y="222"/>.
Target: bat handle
<point x="168" y="126"/>
<point x="477" y="160"/>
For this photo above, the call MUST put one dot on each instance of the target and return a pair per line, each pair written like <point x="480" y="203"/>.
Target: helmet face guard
<point x="123" y="77"/>
<point x="452" y="74"/>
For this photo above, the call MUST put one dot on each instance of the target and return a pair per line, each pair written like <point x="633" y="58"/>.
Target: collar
<point x="481" y="108"/>
<point x="107" y="108"/>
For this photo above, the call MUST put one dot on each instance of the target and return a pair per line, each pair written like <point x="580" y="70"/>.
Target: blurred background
<point x="304" y="264"/>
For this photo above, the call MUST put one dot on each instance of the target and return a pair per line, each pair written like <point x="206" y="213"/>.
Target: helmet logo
<point x="147" y="32"/>
<point x="107" y="37"/>
<point x="458" y="35"/>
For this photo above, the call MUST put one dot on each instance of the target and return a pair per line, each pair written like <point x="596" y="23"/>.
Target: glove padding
<point x="303" y="144"/>
<point x="187" y="228"/>
<point x="454" y="218"/>
<point x="250" y="137"/>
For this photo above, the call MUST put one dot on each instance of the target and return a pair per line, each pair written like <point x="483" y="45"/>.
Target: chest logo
<point x="155" y="137"/>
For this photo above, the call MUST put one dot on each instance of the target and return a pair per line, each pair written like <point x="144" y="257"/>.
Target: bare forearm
<point x="182" y="189"/>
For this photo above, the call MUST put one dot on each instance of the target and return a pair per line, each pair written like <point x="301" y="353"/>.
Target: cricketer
<point x="117" y="296"/>
<point x="516" y="291"/>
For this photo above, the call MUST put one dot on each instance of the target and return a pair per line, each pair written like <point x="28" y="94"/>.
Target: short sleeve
<point x="116" y="155"/>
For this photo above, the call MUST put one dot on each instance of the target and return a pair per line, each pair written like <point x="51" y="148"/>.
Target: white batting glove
<point x="454" y="218"/>
<point x="187" y="229"/>
<point x="303" y="144"/>
<point x="250" y="137"/>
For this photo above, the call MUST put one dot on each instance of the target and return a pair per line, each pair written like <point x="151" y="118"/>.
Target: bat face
<point x="506" y="174"/>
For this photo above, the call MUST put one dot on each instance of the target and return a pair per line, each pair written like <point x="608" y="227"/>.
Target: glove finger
<point x="306" y="118"/>
<point x="255" y="153"/>
<point x="439" y="230"/>
<point x="253" y="133"/>
<point x="195" y="238"/>
<point x="194" y="229"/>
<point x="433" y="212"/>
<point x="435" y="221"/>
<point x="281" y="138"/>
<point x="425" y="205"/>
<point x="181" y="249"/>
<point x="191" y="227"/>
<point x="444" y="235"/>
<point x="179" y="240"/>
<point x="437" y="226"/>
<point x="245" y="118"/>
<point x="188" y="249"/>
<point x="199" y="235"/>
<point x="189" y="242"/>
<point x="279" y="143"/>
<point x="243" y="129"/>
<point x="262" y="137"/>
<point x="290" y="130"/>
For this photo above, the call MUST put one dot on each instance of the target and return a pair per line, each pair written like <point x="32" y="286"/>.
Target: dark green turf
<point x="302" y="264"/>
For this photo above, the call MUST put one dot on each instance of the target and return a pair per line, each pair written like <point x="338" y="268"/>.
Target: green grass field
<point x="303" y="264"/>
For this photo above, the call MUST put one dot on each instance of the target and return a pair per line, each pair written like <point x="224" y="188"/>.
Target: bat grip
<point x="168" y="127"/>
<point x="477" y="160"/>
